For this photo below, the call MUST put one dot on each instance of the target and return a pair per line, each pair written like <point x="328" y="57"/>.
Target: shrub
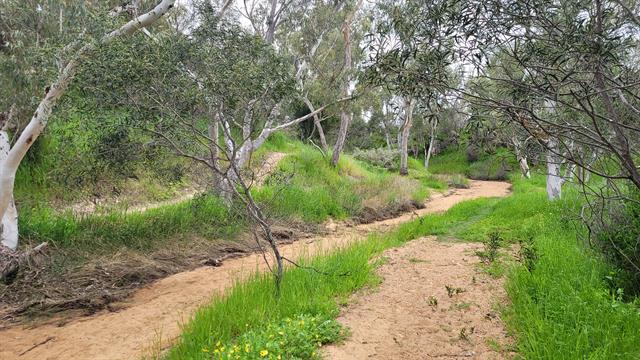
<point x="381" y="157"/>
<point x="298" y="338"/>
<point x="616" y="233"/>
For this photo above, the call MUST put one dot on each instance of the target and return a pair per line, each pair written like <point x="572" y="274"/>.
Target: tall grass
<point x="306" y="186"/>
<point x="204" y="216"/>
<point x="560" y="309"/>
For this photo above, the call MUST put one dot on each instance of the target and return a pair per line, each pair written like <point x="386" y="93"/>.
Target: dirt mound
<point x="89" y="287"/>
<point x="434" y="302"/>
<point x="370" y="214"/>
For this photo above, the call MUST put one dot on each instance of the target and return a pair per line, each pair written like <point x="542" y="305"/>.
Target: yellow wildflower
<point x="204" y="349"/>
<point x="264" y="353"/>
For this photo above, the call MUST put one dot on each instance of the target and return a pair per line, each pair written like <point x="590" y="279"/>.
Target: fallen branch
<point x="38" y="344"/>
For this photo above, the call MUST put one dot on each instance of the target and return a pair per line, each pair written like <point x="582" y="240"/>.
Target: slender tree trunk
<point x="554" y="178"/>
<point x="427" y="156"/>
<point x="214" y="149"/>
<point x="405" y="131"/>
<point x="387" y="137"/>
<point x="524" y="167"/>
<point x="271" y="23"/>
<point x="317" y="124"/>
<point x="345" y="117"/>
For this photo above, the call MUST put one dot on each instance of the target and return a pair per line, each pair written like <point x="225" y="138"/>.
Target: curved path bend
<point x="150" y="319"/>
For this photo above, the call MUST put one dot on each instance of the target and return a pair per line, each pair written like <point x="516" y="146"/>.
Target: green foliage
<point x="451" y="162"/>
<point x="560" y="308"/>
<point x="297" y="338"/>
<point x="616" y="234"/>
<point x="491" y="247"/>
<point x="204" y="216"/>
<point x="326" y="192"/>
<point x="381" y="157"/>
<point x="495" y="166"/>
<point x="334" y="192"/>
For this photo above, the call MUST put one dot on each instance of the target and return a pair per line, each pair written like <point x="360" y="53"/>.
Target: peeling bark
<point x="554" y="178"/>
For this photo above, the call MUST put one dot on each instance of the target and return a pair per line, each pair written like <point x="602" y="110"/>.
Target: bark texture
<point x="405" y="130"/>
<point x="432" y="139"/>
<point x="554" y="178"/>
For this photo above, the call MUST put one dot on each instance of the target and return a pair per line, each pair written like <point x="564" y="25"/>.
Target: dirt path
<point x="268" y="165"/>
<point x="150" y="319"/>
<point x="412" y="315"/>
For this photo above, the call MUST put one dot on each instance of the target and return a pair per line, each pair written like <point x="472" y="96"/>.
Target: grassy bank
<point x="304" y="187"/>
<point x="561" y="306"/>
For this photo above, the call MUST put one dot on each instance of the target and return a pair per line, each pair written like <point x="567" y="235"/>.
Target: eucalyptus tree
<point x="578" y="59"/>
<point x="313" y="42"/>
<point x="74" y="55"/>
<point x="347" y="85"/>
<point x="411" y="53"/>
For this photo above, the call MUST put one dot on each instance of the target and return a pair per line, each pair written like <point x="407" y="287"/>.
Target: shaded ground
<point x="149" y="320"/>
<point x="434" y="302"/>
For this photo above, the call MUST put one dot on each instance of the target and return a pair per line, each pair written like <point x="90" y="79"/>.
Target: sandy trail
<point x="411" y="315"/>
<point x="151" y="318"/>
<point x="268" y="165"/>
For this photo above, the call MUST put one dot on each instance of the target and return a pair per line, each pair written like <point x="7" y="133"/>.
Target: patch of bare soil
<point x="434" y="302"/>
<point x="149" y="320"/>
<point x="36" y="294"/>
<point x="268" y="166"/>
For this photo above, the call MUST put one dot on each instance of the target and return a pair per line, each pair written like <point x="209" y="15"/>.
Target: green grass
<point x="560" y="309"/>
<point x="304" y="187"/>
<point x="297" y="338"/>
<point x="204" y="216"/>
<point x="451" y="162"/>
<point x="494" y="166"/>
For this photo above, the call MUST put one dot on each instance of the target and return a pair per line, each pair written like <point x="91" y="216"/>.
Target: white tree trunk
<point x="427" y="156"/>
<point x="317" y="124"/>
<point x="345" y="117"/>
<point x="34" y="128"/>
<point x="554" y="178"/>
<point x="409" y="104"/>
<point x="9" y="234"/>
<point x="524" y="167"/>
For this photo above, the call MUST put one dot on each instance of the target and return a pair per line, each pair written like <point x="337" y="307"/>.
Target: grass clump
<point x="307" y="187"/>
<point x="297" y="338"/>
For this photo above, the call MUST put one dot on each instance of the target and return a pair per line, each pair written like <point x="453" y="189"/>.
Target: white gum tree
<point x="11" y="156"/>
